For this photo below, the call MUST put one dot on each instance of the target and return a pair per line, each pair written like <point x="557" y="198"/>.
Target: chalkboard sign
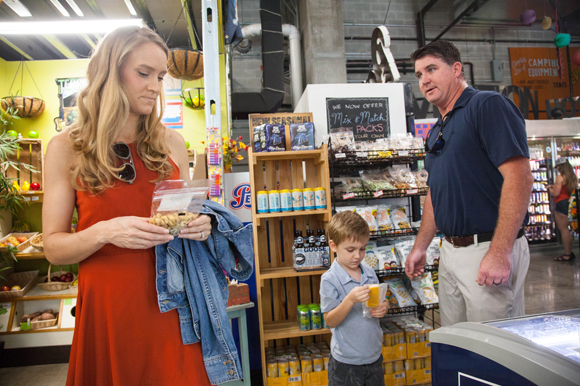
<point x="368" y="118"/>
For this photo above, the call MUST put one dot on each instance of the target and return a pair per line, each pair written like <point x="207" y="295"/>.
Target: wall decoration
<point x="173" y="114"/>
<point x="68" y="90"/>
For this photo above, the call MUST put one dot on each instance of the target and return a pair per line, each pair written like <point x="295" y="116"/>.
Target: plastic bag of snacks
<point x="342" y="140"/>
<point x="177" y="202"/>
<point x="374" y="181"/>
<point x="353" y="185"/>
<point x="384" y="222"/>
<point x="404" y="178"/>
<point x="370" y="255"/>
<point x="424" y="287"/>
<point x="376" y="297"/>
<point x="421" y="176"/>
<point x="398" y="289"/>
<point x="403" y="249"/>
<point x="368" y="213"/>
<point x="387" y="257"/>
<point x="433" y="252"/>
<point x="399" y="218"/>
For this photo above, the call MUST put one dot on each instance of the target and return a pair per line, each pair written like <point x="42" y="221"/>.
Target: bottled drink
<point x="298" y="252"/>
<point x="324" y="248"/>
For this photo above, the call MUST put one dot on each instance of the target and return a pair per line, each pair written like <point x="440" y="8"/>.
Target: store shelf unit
<point x="541" y="227"/>
<point x="280" y="289"/>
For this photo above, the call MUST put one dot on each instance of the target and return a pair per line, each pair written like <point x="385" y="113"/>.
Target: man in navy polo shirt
<point x="479" y="189"/>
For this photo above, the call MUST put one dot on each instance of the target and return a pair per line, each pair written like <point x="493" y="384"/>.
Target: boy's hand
<point x="381" y="310"/>
<point x="359" y="294"/>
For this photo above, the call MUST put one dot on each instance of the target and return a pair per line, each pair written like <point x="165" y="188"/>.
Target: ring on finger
<point x="202" y="235"/>
<point x="494" y="283"/>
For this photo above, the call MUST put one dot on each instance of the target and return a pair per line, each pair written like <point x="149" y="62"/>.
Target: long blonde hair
<point x="567" y="172"/>
<point x="103" y="109"/>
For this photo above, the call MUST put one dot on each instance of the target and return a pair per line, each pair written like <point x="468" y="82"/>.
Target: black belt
<point x="466" y="241"/>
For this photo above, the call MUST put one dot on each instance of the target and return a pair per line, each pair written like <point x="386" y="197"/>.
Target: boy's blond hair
<point x="348" y="225"/>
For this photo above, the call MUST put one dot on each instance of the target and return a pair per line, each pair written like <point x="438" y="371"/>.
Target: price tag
<point x="412" y="191"/>
<point x="400" y="375"/>
<point x="339" y="155"/>
<point x="403" y="153"/>
<point x="347" y="196"/>
<point x="427" y="372"/>
<point x="378" y="193"/>
<point x="35" y="198"/>
<point x="427" y="344"/>
<point x="175" y="202"/>
<point x="362" y="154"/>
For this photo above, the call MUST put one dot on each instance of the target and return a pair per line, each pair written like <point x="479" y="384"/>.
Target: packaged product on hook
<point x="376" y="297"/>
<point x="177" y="202"/>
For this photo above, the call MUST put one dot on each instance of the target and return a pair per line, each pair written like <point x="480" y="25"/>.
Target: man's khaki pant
<point x="461" y="299"/>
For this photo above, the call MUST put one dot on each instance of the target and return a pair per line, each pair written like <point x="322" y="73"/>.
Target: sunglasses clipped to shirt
<point x="439" y="141"/>
<point x="123" y="152"/>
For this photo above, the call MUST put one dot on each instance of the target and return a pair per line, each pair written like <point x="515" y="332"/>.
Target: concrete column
<point x="323" y="36"/>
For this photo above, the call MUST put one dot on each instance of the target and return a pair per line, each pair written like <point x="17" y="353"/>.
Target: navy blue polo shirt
<point x="483" y="130"/>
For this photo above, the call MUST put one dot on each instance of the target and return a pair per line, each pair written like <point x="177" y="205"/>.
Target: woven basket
<point x="28" y="107"/>
<point x="25" y="280"/>
<point x="54" y="285"/>
<point x="185" y="64"/>
<point x="36" y="242"/>
<point x="44" y="323"/>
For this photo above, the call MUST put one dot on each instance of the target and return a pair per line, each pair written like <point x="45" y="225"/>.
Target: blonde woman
<point x="106" y="167"/>
<point x="563" y="187"/>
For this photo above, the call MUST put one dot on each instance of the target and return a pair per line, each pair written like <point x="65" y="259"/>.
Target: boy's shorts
<point x="342" y="374"/>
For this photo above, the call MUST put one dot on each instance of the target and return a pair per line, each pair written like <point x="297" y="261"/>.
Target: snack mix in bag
<point x="397" y="287"/>
<point x="399" y="218"/>
<point x="368" y="213"/>
<point x="174" y="222"/>
<point x="342" y="140"/>
<point x="424" y="287"/>
<point x="384" y="221"/>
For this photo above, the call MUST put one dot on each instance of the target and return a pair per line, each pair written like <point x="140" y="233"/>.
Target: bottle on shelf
<point x="298" y="254"/>
<point x="324" y="248"/>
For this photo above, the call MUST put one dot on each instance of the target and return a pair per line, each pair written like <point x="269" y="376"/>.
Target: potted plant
<point x="10" y="198"/>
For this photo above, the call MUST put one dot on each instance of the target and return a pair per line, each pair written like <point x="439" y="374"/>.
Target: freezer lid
<point x="523" y="356"/>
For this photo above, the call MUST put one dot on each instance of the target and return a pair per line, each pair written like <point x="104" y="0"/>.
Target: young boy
<point x="356" y="357"/>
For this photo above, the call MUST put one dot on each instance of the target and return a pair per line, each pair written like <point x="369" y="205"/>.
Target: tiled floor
<point x="550" y="286"/>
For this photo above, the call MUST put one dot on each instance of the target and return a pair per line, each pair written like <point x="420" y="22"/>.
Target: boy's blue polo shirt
<point x="483" y="130"/>
<point x="357" y="340"/>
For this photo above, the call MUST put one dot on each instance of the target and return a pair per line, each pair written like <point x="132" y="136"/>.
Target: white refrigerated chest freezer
<point x="533" y="350"/>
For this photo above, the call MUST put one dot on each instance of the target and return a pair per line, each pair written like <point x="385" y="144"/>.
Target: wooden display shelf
<point x="16" y="330"/>
<point x="289" y="214"/>
<point x="289" y="329"/>
<point x="281" y="272"/>
<point x="33" y="197"/>
<point x="290" y="155"/>
<point x="30" y="255"/>
<point x="38" y="293"/>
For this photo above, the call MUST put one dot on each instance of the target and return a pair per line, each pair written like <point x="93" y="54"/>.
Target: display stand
<point x="280" y="289"/>
<point x="239" y="312"/>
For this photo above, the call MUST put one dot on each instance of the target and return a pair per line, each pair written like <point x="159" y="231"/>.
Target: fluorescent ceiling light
<point x="75" y="8"/>
<point x="60" y="8"/>
<point x="18" y="7"/>
<point x="65" y="27"/>
<point x="131" y="8"/>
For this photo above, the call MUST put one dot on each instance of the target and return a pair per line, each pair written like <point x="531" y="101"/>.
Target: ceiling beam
<point x="60" y="46"/>
<point x="473" y="7"/>
<point x="95" y="8"/>
<point x="15" y="48"/>
<point x="144" y="13"/>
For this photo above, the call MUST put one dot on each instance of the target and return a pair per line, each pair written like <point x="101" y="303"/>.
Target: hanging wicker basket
<point x="28" y="107"/>
<point x="185" y="64"/>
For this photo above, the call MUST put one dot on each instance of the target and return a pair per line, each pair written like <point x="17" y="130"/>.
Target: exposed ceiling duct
<point x="272" y="94"/>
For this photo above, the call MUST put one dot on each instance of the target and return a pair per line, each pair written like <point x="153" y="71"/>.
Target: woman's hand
<point x="134" y="233"/>
<point x="198" y="229"/>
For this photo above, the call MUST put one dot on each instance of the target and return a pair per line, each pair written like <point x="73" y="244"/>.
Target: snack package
<point x="368" y="213"/>
<point x="370" y="255"/>
<point x="391" y="298"/>
<point x="399" y="218"/>
<point x="403" y="249"/>
<point x="259" y="138"/>
<point x="374" y="181"/>
<point x="275" y="138"/>
<point x="376" y="297"/>
<point x="177" y="202"/>
<point x="423" y="285"/>
<point x="421" y="176"/>
<point x="345" y="208"/>
<point x="387" y="257"/>
<point x="342" y="140"/>
<point x="384" y="222"/>
<point x="414" y="296"/>
<point x="353" y="185"/>
<point x="302" y="136"/>
<point x="398" y="289"/>
<point x="433" y="252"/>
<point x="404" y="178"/>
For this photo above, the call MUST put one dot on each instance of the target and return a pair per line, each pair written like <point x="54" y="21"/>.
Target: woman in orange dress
<point x="106" y="166"/>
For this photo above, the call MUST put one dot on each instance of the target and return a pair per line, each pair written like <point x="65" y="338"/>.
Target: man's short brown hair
<point x="348" y="225"/>
<point x="442" y="49"/>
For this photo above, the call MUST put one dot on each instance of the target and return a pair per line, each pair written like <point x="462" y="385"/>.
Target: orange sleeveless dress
<point x="121" y="338"/>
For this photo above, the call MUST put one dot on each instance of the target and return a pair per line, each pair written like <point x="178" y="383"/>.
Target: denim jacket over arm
<point x="190" y="278"/>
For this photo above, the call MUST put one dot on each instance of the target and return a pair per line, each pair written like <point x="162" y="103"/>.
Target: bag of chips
<point x="403" y="249"/>
<point x="368" y="213"/>
<point x="387" y="257"/>
<point x="399" y="218"/>
<point x="384" y="222"/>
<point x="424" y="287"/>
<point x="398" y="289"/>
<point x="371" y="258"/>
<point x="433" y="252"/>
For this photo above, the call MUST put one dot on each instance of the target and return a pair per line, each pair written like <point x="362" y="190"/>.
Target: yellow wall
<point x="45" y="72"/>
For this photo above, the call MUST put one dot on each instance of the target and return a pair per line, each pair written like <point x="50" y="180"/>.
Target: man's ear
<point x="457" y="69"/>
<point x="333" y="246"/>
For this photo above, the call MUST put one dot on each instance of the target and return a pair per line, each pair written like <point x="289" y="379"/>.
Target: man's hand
<point x="380" y="310"/>
<point x="415" y="264"/>
<point x="494" y="269"/>
<point x="359" y="294"/>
